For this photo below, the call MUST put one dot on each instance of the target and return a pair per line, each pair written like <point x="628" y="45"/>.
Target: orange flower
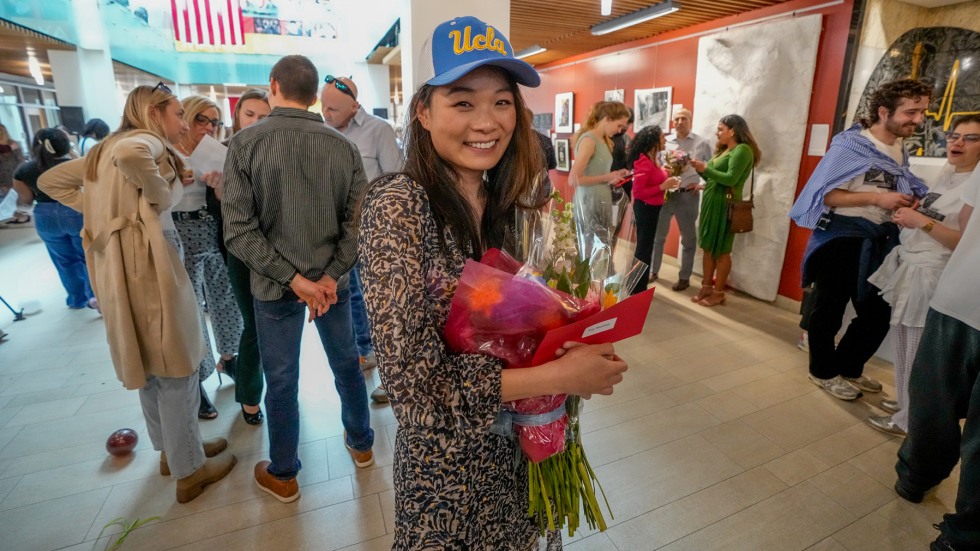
<point x="610" y="299"/>
<point x="483" y="298"/>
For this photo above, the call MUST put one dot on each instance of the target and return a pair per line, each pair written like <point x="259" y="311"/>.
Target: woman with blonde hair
<point x="725" y="174"/>
<point x="199" y="232"/>
<point x="591" y="174"/>
<point x="133" y="255"/>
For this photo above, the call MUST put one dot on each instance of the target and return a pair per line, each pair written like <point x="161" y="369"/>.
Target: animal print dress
<point x="457" y="486"/>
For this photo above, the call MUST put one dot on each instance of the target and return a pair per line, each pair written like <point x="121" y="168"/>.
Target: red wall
<point x="674" y="65"/>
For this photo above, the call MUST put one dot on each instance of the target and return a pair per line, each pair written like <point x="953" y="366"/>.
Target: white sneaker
<point x="837" y="387"/>
<point x="891" y="406"/>
<point x="865" y="383"/>
<point x="885" y="424"/>
<point x="804" y="342"/>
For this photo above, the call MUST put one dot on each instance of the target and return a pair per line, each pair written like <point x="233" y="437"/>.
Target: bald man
<point x="372" y="135"/>
<point x="683" y="203"/>
<point x="375" y="140"/>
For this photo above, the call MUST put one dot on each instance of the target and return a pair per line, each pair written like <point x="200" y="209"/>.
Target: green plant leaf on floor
<point x="127" y="529"/>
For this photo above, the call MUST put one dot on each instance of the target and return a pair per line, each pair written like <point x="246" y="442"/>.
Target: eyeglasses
<point x="953" y="137"/>
<point x="161" y="86"/>
<point x="340" y="86"/>
<point x="202" y="120"/>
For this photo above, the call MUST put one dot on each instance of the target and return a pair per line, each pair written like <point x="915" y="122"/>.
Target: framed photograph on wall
<point x="562" y="156"/>
<point x="542" y="122"/>
<point x="564" y="111"/>
<point x="615" y="95"/>
<point x="652" y="108"/>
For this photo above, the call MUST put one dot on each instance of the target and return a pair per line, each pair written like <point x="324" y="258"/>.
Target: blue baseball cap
<point x="465" y="43"/>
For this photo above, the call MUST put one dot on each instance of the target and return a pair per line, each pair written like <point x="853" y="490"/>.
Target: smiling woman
<point x="473" y="159"/>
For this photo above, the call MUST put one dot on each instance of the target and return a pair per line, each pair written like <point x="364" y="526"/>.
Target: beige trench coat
<point x="151" y="315"/>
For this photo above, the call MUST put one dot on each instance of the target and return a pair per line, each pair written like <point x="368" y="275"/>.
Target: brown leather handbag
<point x="740" y="212"/>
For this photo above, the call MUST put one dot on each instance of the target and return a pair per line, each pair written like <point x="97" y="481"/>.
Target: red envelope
<point x="622" y="321"/>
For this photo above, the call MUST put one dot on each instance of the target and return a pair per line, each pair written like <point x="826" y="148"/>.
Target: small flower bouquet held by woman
<point x="675" y="161"/>
<point x="505" y="309"/>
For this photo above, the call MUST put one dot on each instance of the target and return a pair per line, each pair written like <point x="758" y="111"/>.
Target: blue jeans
<point x="362" y="329"/>
<point x="60" y="228"/>
<point x="280" y="326"/>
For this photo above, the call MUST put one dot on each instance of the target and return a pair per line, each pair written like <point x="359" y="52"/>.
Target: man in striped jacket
<point x="290" y="194"/>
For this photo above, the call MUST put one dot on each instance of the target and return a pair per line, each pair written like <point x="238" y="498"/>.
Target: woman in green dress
<point x="735" y="157"/>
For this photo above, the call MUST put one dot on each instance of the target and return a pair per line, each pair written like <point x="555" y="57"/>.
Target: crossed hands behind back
<point x="318" y="295"/>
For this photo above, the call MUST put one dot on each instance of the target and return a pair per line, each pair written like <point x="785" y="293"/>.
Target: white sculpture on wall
<point x="765" y="74"/>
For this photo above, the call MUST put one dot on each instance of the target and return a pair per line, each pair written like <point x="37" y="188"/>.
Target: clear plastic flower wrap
<point x="506" y="315"/>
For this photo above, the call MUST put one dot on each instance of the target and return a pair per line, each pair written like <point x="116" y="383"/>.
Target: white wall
<point x="765" y="74"/>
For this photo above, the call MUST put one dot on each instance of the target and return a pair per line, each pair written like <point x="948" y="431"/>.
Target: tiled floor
<point x="715" y="440"/>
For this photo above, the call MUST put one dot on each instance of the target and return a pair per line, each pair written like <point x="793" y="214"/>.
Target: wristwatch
<point x="928" y="227"/>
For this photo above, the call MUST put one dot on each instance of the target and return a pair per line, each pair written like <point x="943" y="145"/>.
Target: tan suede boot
<point x="211" y="448"/>
<point x="213" y="470"/>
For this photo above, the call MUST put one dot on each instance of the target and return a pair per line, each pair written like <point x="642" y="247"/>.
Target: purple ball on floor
<point x="121" y="442"/>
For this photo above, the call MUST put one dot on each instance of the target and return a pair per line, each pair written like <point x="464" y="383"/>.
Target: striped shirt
<point x="851" y="154"/>
<point x="291" y="186"/>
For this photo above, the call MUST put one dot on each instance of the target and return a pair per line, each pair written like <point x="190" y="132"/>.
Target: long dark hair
<point x="645" y="140"/>
<point x="253" y="93"/>
<point x="509" y="185"/>
<point x="49" y="145"/>
<point x="95" y="128"/>
<point x="742" y="135"/>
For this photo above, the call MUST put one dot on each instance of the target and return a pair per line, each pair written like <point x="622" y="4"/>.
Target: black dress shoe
<point x="681" y="285"/>
<point x="206" y="409"/>
<point x="908" y="495"/>
<point x="253" y="418"/>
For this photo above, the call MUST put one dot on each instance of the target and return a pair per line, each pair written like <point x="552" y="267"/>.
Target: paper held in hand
<point x="208" y="156"/>
<point x="618" y="322"/>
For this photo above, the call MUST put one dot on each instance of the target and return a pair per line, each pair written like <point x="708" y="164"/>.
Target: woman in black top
<point x="58" y="226"/>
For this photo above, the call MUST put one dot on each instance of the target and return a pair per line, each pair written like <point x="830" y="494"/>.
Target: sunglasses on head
<point x="953" y="137"/>
<point x="161" y="86"/>
<point x="202" y="120"/>
<point x="340" y="86"/>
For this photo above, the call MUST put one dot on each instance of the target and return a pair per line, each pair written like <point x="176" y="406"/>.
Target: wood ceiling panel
<point x="565" y="28"/>
<point x="17" y="41"/>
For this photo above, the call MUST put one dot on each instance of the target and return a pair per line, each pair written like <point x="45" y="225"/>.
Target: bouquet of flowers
<point x="676" y="160"/>
<point x="504" y="309"/>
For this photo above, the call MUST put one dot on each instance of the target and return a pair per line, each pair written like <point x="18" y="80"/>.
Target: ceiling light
<point x="606" y="7"/>
<point x="637" y="17"/>
<point x="528" y="52"/>
<point x="35" y="68"/>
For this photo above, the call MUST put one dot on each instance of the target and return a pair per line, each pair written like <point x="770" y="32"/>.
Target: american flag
<point x="208" y="22"/>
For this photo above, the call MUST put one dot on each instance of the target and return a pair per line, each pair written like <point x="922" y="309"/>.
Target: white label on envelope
<point x="599" y="328"/>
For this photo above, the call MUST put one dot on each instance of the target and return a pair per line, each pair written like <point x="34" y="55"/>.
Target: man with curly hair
<point x="848" y="203"/>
